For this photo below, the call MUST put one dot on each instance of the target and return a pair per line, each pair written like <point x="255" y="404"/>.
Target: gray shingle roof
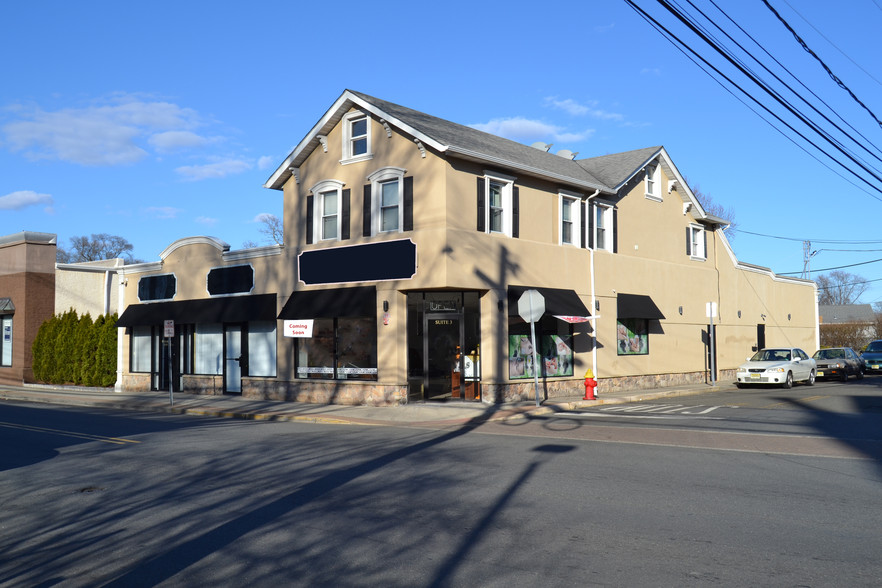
<point x="615" y="169"/>
<point x="846" y="313"/>
<point x="475" y="144"/>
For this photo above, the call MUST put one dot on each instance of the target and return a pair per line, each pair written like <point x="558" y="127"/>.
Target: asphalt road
<point x="775" y="492"/>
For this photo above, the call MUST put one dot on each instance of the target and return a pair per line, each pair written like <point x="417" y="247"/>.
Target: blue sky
<point x="162" y="120"/>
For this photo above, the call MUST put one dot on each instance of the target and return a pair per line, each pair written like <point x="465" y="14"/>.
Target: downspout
<point x="593" y="294"/>
<point x="120" y="332"/>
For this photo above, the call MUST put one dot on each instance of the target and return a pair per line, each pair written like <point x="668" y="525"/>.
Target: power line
<point x="827" y="269"/>
<point x="832" y="241"/>
<point x="762" y="85"/>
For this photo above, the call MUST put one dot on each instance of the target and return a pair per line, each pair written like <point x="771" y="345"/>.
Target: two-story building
<point x="409" y="240"/>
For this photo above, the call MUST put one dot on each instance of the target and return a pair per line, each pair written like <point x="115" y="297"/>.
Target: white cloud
<point x="263" y="217"/>
<point x="265" y="162"/>
<point x="206" y="220"/>
<point x="527" y="131"/>
<point x="173" y="140"/>
<point x="163" y="212"/>
<point x="574" y="108"/>
<point x="218" y="169"/>
<point x="23" y="199"/>
<point x="99" y="134"/>
<point x="651" y="71"/>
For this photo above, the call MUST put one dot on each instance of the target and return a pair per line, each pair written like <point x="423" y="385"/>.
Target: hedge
<point x="70" y="349"/>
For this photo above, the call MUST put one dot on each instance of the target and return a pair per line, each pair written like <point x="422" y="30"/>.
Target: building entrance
<point x="443" y="346"/>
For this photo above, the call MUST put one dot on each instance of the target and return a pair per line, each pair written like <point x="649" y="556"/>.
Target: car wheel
<point x="860" y="375"/>
<point x="811" y="380"/>
<point x="844" y="376"/>
<point x="740" y="385"/>
<point x="788" y="381"/>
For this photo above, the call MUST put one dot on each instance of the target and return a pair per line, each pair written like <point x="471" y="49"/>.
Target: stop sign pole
<point x="531" y="307"/>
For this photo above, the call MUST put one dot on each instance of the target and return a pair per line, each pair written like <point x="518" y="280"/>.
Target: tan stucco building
<point x="408" y="243"/>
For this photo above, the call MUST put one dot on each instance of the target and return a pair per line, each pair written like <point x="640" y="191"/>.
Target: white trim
<point x="652" y="173"/>
<point x="575" y="217"/>
<point x="318" y="190"/>
<point x="377" y="179"/>
<point x="607" y="209"/>
<point x="702" y="255"/>
<point x="506" y="184"/>
<point x="201" y="240"/>
<point x="348" y="120"/>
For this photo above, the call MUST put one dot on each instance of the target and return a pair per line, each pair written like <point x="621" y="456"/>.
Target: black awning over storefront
<point x="335" y="302"/>
<point x="637" y="306"/>
<point x="558" y="302"/>
<point x="233" y="309"/>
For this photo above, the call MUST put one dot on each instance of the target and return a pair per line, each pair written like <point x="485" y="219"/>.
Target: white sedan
<point x="781" y="366"/>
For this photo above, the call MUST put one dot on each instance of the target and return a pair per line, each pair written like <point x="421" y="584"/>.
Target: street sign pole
<point x="531" y="307"/>
<point x="535" y="357"/>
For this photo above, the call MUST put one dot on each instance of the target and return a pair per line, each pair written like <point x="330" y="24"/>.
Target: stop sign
<point x="531" y="306"/>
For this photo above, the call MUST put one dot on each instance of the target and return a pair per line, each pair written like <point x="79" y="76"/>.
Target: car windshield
<point x="830" y="354"/>
<point x="771" y="355"/>
<point x="875" y="347"/>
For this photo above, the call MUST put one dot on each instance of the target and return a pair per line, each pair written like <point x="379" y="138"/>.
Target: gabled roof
<point x="445" y="137"/>
<point x="846" y="313"/>
<point x="606" y="174"/>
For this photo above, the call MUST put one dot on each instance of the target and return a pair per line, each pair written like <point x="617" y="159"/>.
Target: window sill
<point x="357" y="159"/>
<point x="654" y="198"/>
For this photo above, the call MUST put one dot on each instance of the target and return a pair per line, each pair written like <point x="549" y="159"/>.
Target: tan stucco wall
<point x="91" y="287"/>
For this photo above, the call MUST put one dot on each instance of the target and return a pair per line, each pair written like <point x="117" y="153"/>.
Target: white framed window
<point x="653" y="182"/>
<point x="326" y="215"/>
<point x="696" y="243"/>
<point x="208" y="349"/>
<point x="603" y="226"/>
<point x="262" y="348"/>
<point x="499" y="208"/>
<point x="387" y="204"/>
<point x="356" y="137"/>
<point x="6" y="340"/>
<point x="140" y="349"/>
<point x="570" y="219"/>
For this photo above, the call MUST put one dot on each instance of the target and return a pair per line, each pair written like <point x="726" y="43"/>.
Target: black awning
<point x="232" y="309"/>
<point x="558" y="302"/>
<point x="637" y="306"/>
<point x="331" y="303"/>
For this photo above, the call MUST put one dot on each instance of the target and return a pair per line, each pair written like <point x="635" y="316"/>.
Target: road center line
<point x="90" y="437"/>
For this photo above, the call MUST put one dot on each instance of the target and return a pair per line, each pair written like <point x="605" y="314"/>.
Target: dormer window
<point x="356" y="137"/>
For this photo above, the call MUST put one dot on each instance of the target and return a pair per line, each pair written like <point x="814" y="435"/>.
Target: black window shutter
<point x="344" y="215"/>
<point x="408" y="204"/>
<point x="615" y="243"/>
<point x="582" y="223"/>
<point x="366" y="212"/>
<point x="688" y="240"/>
<point x="591" y="214"/>
<point x="309" y="219"/>
<point x="704" y="235"/>
<point x="515" y="211"/>
<point x="481" y="205"/>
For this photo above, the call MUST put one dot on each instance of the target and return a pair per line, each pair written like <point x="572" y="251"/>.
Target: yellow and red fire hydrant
<point x="590" y="385"/>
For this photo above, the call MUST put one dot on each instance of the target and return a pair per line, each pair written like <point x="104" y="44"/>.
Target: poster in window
<point x="555" y="356"/>
<point x="632" y="337"/>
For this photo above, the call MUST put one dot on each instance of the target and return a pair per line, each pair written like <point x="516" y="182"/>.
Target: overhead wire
<point x="656" y="24"/>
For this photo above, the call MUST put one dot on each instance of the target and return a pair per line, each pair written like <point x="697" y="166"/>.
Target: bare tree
<point x="839" y="287"/>
<point x="94" y="248"/>
<point x="716" y="209"/>
<point x="271" y="229"/>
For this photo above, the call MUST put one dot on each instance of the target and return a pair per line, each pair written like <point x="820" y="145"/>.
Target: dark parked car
<point x="838" y="362"/>
<point x="873" y="356"/>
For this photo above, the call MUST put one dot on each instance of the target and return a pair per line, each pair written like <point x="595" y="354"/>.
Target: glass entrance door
<point x="233" y="359"/>
<point x="443" y="356"/>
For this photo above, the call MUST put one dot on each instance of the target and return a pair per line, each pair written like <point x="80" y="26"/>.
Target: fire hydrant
<point x="590" y="385"/>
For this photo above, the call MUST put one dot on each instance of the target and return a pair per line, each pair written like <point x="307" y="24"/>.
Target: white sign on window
<point x="298" y="328"/>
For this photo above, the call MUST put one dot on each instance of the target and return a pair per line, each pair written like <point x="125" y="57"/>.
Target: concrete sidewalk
<point x="243" y="408"/>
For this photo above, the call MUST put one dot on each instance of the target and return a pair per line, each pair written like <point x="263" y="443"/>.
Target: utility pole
<point x="807" y="260"/>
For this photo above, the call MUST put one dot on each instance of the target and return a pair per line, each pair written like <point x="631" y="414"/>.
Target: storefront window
<point x="262" y="348"/>
<point x="554" y="339"/>
<point x="142" y="338"/>
<point x="340" y="349"/>
<point x="632" y="337"/>
<point x="208" y="349"/>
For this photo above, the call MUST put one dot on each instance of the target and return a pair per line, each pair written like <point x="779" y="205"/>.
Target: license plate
<point x="820" y="374"/>
<point x="754" y="376"/>
<point x="874" y="366"/>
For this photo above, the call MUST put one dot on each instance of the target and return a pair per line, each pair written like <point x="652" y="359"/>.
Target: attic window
<point x="356" y="137"/>
<point x="653" y="182"/>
